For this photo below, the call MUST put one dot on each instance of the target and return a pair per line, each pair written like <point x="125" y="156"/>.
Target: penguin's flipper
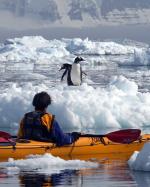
<point x="64" y="74"/>
<point x="84" y="73"/>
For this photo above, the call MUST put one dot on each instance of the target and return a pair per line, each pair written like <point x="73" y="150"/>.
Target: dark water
<point x="137" y="32"/>
<point x="109" y="174"/>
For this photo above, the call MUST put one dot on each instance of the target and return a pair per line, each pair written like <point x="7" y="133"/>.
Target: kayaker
<point x="42" y="126"/>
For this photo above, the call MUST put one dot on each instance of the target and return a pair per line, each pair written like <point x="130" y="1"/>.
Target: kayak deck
<point x="84" y="148"/>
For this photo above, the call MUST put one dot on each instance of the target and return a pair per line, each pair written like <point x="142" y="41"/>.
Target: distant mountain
<point x="78" y="12"/>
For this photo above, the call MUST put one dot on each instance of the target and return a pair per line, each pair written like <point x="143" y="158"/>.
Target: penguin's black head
<point x="78" y="59"/>
<point x="65" y="66"/>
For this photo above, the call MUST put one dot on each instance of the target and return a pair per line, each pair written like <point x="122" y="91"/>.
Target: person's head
<point x="78" y="59"/>
<point x="41" y="101"/>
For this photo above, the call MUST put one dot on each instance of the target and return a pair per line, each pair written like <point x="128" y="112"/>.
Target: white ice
<point x="39" y="50"/>
<point x="33" y="48"/>
<point x="119" y="105"/>
<point x="45" y="164"/>
<point x="82" y="108"/>
<point x="140" y="161"/>
<point x="141" y="57"/>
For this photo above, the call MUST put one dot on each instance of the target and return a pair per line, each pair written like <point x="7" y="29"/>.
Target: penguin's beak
<point x="82" y="60"/>
<point x="62" y="67"/>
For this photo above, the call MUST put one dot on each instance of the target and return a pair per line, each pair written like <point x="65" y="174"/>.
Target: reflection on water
<point x="142" y="178"/>
<point x="67" y="178"/>
<point x="109" y="174"/>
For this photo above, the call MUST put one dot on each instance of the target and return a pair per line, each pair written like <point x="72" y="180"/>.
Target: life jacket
<point x="34" y="128"/>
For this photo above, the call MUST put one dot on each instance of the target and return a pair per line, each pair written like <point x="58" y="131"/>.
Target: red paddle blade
<point x="5" y="135"/>
<point x="3" y="140"/>
<point x="6" y="138"/>
<point x="124" y="136"/>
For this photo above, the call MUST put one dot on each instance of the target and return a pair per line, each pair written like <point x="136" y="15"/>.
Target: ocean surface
<point x="114" y="95"/>
<point x="109" y="174"/>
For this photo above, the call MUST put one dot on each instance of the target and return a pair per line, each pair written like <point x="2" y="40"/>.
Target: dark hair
<point x="41" y="100"/>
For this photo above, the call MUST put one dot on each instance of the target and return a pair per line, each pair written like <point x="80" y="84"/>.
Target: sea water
<point x="106" y="173"/>
<point x="47" y="170"/>
<point x="114" y="95"/>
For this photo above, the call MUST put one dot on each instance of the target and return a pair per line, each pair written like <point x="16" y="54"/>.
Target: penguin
<point x="74" y="72"/>
<point x="67" y="71"/>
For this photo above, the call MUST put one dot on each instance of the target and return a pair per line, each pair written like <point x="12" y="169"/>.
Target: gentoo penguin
<point x="74" y="72"/>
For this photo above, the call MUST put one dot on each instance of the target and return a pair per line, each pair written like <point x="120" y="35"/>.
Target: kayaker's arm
<point x="60" y="137"/>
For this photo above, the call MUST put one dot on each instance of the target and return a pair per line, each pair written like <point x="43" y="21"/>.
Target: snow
<point x="45" y="164"/>
<point x="87" y="46"/>
<point x="142" y="57"/>
<point x="140" y="161"/>
<point x="118" y="105"/>
<point x="36" y="48"/>
<point x="30" y="14"/>
<point x="81" y="108"/>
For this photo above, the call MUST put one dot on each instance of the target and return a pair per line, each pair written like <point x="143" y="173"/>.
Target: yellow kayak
<point x="85" y="148"/>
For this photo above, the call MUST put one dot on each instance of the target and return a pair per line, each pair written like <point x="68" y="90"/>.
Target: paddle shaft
<point x="125" y="136"/>
<point x="93" y="135"/>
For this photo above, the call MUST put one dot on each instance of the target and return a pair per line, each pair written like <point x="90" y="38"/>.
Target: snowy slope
<point x="77" y="13"/>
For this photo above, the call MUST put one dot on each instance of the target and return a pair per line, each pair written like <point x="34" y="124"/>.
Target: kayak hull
<point x="84" y="148"/>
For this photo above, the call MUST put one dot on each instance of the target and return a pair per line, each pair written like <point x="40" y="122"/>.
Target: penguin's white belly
<point x="76" y="74"/>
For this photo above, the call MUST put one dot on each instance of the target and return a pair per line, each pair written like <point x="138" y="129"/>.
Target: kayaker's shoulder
<point x="48" y="115"/>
